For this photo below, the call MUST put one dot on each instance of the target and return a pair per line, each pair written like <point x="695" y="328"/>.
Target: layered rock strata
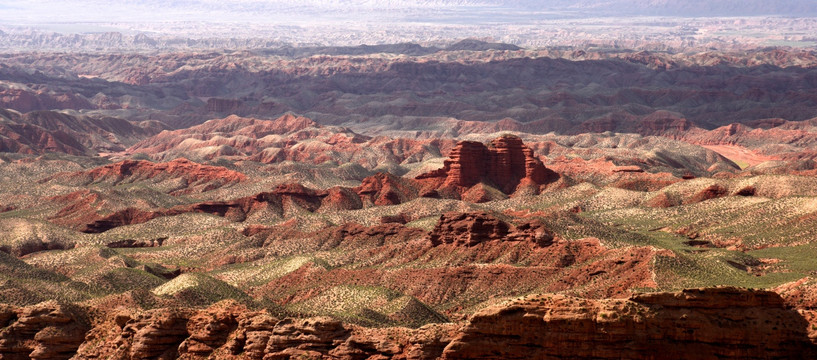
<point x="716" y="323"/>
<point x="506" y="164"/>
<point x="47" y="330"/>
<point x="469" y="229"/>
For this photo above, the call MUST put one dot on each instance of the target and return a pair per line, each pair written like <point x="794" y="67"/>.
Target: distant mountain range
<point x="683" y="8"/>
<point x="19" y="11"/>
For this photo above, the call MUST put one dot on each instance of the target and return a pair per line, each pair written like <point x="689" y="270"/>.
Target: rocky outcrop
<point x="155" y="335"/>
<point x="209" y="330"/>
<point x="532" y="230"/>
<point x="800" y="294"/>
<point x="513" y="164"/>
<point x="401" y="218"/>
<point x="717" y="323"/>
<point x="235" y="210"/>
<point x="506" y="164"/>
<point x="228" y="330"/>
<point x="341" y="198"/>
<point x="298" y="195"/>
<point x="253" y="334"/>
<point x="378" y="190"/>
<point x="469" y="229"/>
<point x="127" y="334"/>
<point x="123" y="217"/>
<point x="134" y="243"/>
<point x="386" y="189"/>
<point x="710" y="192"/>
<point x="223" y="105"/>
<point x="48" y="330"/>
<point x="722" y="323"/>
<point x="294" y="338"/>
<point x="627" y="169"/>
<point x="356" y="235"/>
<point x="282" y="198"/>
<point x="467" y="164"/>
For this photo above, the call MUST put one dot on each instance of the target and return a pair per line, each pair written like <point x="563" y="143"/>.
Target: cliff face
<point x="230" y="331"/>
<point x="511" y="163"/>
<point x="469" y="229"/>
<point x="506" y="164"/>
<point x="716" y="323"/>
<point x="467" y="165"/>
<point x="44" y="331"/>
<point x="223" y="105"/>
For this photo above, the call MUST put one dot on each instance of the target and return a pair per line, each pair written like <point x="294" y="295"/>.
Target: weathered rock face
<point x="469" y="229"/>
<point x="341" y="198"/>
<point x="533" y="230"/>
<point x="799" y="294"/>
<point x="127" y="216"/>
<point x="507" y="164"/>
<point x="47" y="330"/>
<point x="157" y="334"/>
<point x="722" y="323"/>
<point x="711" y="192"/>
<point x="716" y="323"/>
<point x="293" y="338"/>
<point x="223" y="105"/>
<point x="228" y="330"/>
<point x="356" y="235"/>
<point x="210" y="330"/>
<point x="252" y="335"/>
<point x="154" y="334"/>
<point x="467" y="165"/>
<point x="511" y="162"/>
<point x="132" y="243"/>
<point x="386" y="189"/>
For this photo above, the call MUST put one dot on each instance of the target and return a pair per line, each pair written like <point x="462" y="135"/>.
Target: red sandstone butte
<point x="506" y="164"/>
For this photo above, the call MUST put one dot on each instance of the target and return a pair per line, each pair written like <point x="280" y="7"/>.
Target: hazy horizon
<point x="244" y="24"/>
<point x="21" y="12"/>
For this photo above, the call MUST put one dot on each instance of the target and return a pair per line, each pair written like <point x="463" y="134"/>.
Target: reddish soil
<point x="740" y="155"/>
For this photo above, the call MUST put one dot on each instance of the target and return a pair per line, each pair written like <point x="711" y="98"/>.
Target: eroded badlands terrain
<point x="463" y="204"/>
